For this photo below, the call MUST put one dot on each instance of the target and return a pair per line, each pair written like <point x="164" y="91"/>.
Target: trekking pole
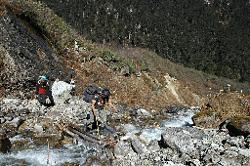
<point x="98" y="130"/>
<point x="48" y="153"/>
<point x="96" y="122"/>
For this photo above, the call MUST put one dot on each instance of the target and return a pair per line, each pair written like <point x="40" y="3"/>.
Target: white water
<point x="45" y="157"/>
<point x="79" y="153"/>
<point x="181" y="118"/>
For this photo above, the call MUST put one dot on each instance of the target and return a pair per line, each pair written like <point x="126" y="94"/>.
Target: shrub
<point x="109" y="56"/>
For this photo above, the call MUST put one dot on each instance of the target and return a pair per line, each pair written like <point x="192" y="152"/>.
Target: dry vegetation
<point x="222" y="107"/>
<point x="132" y="90"/>
<point x="103" y="65"/>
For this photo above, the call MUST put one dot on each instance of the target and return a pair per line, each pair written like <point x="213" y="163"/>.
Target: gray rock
<point x="170" y="163"/>
<point x="16" y="122"/>
<point x="153" y="146"/>
<point x="211" y="157"/>
<point x="152" y="134"/>
<point x="227" y="161"/>
<point x="138" y="146"/>
<point x="2" y="120"/>
<point x="183" y="140"/>
<point x="158" y="158"/>
<point x="143" y="112"/>
<point x="9" y="118"/>
<point x="194" y="162"/>
<point x="247" y="141"/>
<point x="130" y="129"/>
<point x="236" y="141"/>
<point x="12" y="101"/>
<point x="38" y="128"/>
<point x="231" y="153"/>
<point x="245" y="152"/>
<point x="61" y="91"/>
<point x="123" y="148"/>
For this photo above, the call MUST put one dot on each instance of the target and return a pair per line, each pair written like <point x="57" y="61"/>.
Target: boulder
<point x="138" y="146"/>
<point x="123" y="148"/>
<point x="143" y="113"/>
<point x="150" y="135"/>
<point x="16" y="122"/>
<point x="2" y="120"/>
<point x="38" y="128"/>
<point x="130" y="129"/>
<point x="183" y="140"/>
<point x="61" y="91"/>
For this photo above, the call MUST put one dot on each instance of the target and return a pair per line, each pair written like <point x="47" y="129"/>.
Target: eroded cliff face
<point x="25" y="54"/>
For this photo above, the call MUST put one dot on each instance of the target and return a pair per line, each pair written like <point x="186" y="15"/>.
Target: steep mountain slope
<point x="161" y="83"/>
<point x="212" y="37"/>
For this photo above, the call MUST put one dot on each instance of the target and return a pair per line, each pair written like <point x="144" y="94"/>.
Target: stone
<point x="231" y="153"/>
<point x="61" y="91"/>
<point x="138" y="146"/>
<point x="38" y="128"/>
<point x="9" y="118"/>
<point x="180" y="118"/>
<point x="16" y="122"/>
<point x="170" y="163"/>
<point x="152" y="134"/>
<point x="2" y="120"/>
<point x="181" y="140"/>
<point x="227" y="161"/>
<point x="244" y="152"/>
<point x="129" y="130"/>
<point x="158" y="158"/>
<point x="153" y="146"/>
<point x="123" y="148"/>
<point x="236" y="141"/>
<point x="142" y="112"/>
<point x="194" y="162"/>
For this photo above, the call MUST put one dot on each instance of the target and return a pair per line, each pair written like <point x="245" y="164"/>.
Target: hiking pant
<point x="101" y="116"/>
<point x="42" y="99"/>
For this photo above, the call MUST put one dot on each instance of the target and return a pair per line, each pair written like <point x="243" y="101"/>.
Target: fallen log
<point x="92" y="139"/>
<point x="78" y="135"/>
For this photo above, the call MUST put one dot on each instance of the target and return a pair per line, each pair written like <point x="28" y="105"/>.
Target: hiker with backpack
<point x="99" y="98"/>
<point x="43" y="92"/>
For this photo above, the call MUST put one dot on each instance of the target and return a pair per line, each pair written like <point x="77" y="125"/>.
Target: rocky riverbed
<point x="35" y="135"/>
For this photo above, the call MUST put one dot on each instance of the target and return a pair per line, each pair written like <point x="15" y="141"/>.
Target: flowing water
<point x="79" y="153"/>
<point x="43" y="156"/>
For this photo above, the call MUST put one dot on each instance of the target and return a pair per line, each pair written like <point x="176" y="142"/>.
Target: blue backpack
<point x="92" y="90"/>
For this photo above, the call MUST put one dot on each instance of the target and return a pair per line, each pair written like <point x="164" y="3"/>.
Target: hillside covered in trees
<point x="212" y="35"/>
